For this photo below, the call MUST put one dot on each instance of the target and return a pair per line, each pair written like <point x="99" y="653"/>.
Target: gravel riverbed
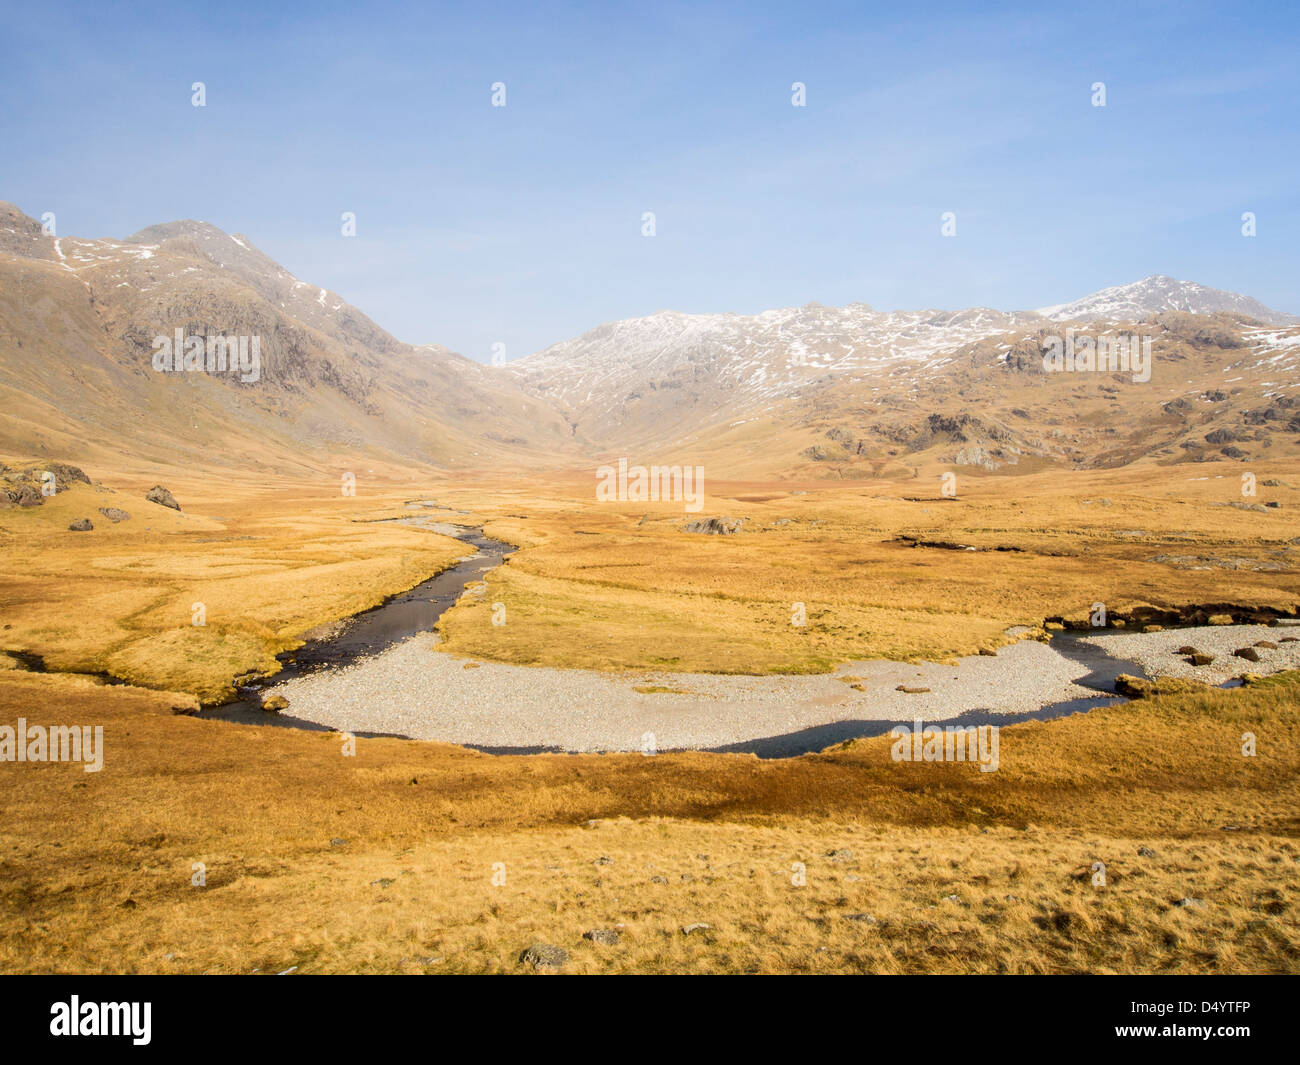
<point x="413" y="690"/>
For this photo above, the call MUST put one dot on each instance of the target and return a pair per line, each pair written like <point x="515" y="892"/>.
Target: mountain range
<point x="811" y="391"/>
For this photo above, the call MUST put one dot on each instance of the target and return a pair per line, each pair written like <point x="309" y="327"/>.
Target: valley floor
<point x="207" y="847"/>
<point x="204" y="846"/>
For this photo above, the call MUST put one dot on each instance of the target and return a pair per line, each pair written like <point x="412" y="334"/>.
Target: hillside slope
<point x="78" y="322"/>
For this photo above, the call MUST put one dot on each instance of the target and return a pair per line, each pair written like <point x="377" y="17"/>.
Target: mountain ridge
<point x="807" y="391"/>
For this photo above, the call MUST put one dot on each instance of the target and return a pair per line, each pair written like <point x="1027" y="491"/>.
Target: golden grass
<point x="595" y="586"/>
<point x="599" y="587"/>
<point x="277" y="561"/>
<point x="96" y="868"/>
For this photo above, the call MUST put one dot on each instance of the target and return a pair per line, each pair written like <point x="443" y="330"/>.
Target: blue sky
<point x="522" y="225"/>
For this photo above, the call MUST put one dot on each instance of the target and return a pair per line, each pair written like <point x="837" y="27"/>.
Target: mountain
<point x="78" y="326"/>
<point x="1158" y="293"/>
<point x="804" y="392"/>
<point x="853" y="392"/>
<point x="657" y="378"/>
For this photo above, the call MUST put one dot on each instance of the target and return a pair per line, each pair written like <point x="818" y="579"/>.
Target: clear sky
<point x="522" y="225"/>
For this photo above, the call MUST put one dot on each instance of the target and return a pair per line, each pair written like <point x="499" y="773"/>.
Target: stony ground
<point x="413" y="690"/>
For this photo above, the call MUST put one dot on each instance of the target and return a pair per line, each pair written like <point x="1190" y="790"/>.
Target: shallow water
<point x="1091" y="682"/>
<point x="372" y="631"/>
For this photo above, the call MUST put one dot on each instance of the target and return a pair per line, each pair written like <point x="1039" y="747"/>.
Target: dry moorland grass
<point x="267" y="562"/>
<point x="383" y="861"/>
<point x="595" y="586"/>
<point x="622" y="586"/>
<point x="959" y="871"/>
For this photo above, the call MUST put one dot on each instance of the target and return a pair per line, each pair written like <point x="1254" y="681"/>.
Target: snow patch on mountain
<point x="1158" y="293"/>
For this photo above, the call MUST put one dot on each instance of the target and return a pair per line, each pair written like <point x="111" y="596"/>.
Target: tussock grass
<point x="599" y="587"/>
<point x="275" y="563"/>
<point x="95" y="869"/>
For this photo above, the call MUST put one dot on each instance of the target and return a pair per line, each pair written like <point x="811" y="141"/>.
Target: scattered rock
<point x="158" y="494"/>
<point x="1146" y="852"/>
<point x="383" y="881"/>
<point x="1248" y="653"/>
<point x="911" y="691"/>
<point x="988" y="652"/>
<point x="337" y="841"/>
<point x="860" y="918"/>
<point x="544" y="956"/>
<point x="115" y="514"/>
<point x="1192" y="904"/>
<point x="1187" y="649"/>
<point x="606" y="937"/>
<point x="604" y="859"/>
<point x="691" y="929"/>
<point x="843" y="854"/>
<point x="658" y="880"/>
<point x="80" y="525"/>
<point x="1268" y="645"/>
<point x="25" y="495"/>
<point x="1200" y="659"/>
<point x="714" y="526"/>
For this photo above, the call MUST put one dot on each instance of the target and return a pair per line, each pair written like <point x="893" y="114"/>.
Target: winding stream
<point x="372" y="631"/>
<point x="378" y="674"/>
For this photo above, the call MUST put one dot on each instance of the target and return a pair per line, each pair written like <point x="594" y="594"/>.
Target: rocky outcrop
<point x="714" y="526"/>
<point x="23" y="494"/>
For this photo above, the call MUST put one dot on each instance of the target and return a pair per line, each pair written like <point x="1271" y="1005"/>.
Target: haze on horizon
<point x="522" y="225"/>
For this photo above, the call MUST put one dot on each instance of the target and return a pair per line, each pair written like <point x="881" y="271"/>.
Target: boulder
<point x="714" y="526"/>
<point x="606" y="937"/>
<point x="158" y="494"/>
<point x="25" y="495"/>
<point x="544" y="956"/>
<point x="115" y="514"/>
<point x="80" y="525"/>
<point x="275" y="704"/>
<point x="1248" y="653"/>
